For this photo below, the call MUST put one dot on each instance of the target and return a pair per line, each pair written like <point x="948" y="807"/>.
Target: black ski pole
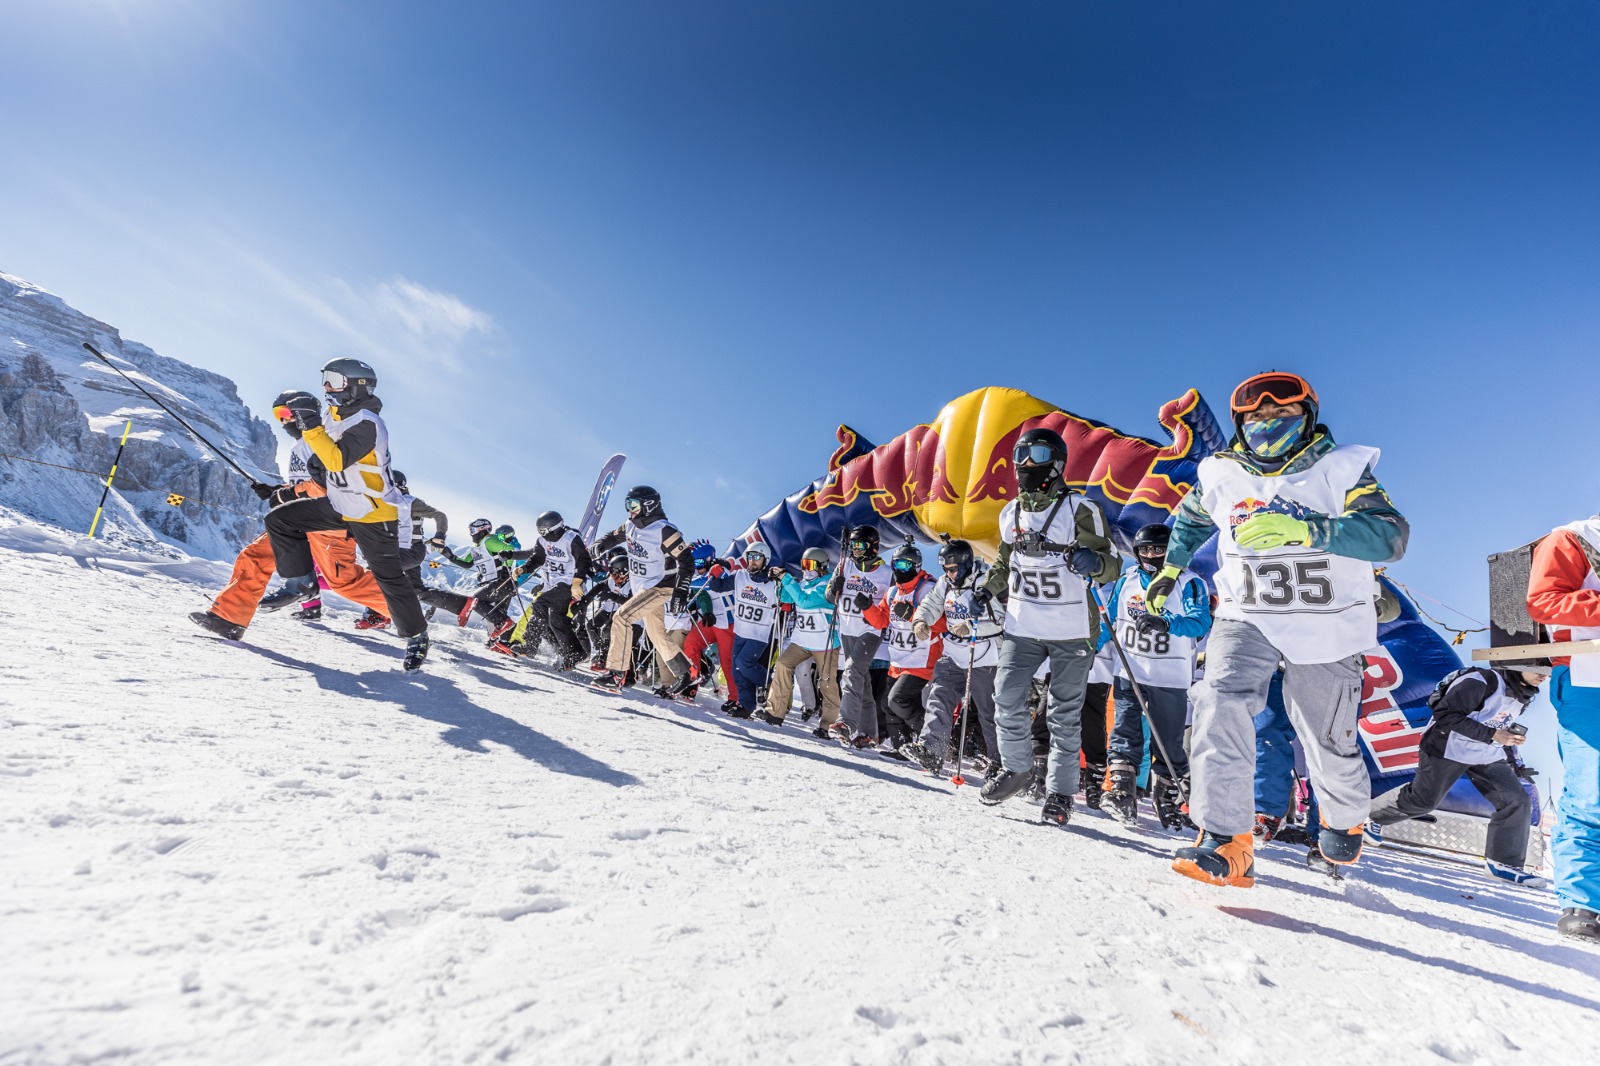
<point x="1138" y="693"/>
<point x="179" y="418"/>
<point x="966" y="716"/>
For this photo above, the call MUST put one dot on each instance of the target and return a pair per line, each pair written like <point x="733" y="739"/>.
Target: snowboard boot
<point x="372" y="620"/>
<point x="1122" y="797"/>
<point x="769" y="719"/>
<point x="1266" y="827"/>
<point x="822" y="732"/>
<point x="1057" y="810"/>
<point x="1169" y="805"/>
<point x="1004" y="785"/>
<point x="739" y="710"/>
<point x="1094" y="785"/>
<point x="416" y="652"/>
<point x="1580" y="924"/>
<point x="293" y="591"/>
<point x="1342" y="847"/>
<point x="1219" y="860"/>
<point x="1036" y="784"/>
<point x="465" y="614"/>
<point x="309" y="611"/>
<point x="217" y="624"/>
<point x="1318" y="863"/>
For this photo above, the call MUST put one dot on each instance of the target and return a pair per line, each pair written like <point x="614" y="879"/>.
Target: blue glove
<point x="1083" y="562"/>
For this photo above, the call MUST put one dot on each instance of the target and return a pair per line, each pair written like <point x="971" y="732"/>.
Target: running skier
<point x="755" y="590"/>
<point x="361" y="498"/>
<point x="1302" y="522"/>
<point x="911" y="659"/>
<point x="971" y="650"/>
<point x="1161" y="646"/>
<point x="658" y="580"/>
<point x="489" y="559"/>
<point x="813" y="639"/>
<point x="562" y="563"/>
<point x="453" y="602"/>
<point x="1053" y="542"/>
<point x="710" y="624"/>
<point x="861" y="573"/>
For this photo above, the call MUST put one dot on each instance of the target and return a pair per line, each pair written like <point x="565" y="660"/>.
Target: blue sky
<point x="706" y="233"/>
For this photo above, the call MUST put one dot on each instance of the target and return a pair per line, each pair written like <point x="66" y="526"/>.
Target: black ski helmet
<point x="648" y="501"/>
<point x="290" y="426"/>
<point x="956" y="553"/>
<point x="347" y="380"/>
<point x="1154" y="535"/>
<point x="907" y="562"/>
<point x="862" y="543"/>
<point x="1040" y="459"/>
<point x="550" y="525"/>
<point x="479" y="528"/>
<point x="617" y="565"/>
<point x="399" y="480"/>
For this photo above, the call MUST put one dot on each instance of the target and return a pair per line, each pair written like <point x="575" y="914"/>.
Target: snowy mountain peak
<point x="60" y="405"/>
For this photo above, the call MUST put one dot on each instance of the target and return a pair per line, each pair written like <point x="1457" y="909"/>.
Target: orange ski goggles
<point x="283" y="414"/>
<point x="1277" y="386"/>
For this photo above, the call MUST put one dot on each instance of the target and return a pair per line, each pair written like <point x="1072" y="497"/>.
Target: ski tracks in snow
<point x="288" y="851"/>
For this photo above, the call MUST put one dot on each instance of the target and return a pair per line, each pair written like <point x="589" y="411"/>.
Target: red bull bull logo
<point x="1245" y="510"/>
<point x="897" y="476"/>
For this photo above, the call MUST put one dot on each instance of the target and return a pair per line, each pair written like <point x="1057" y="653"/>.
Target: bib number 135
<point x="1283" y="584"/>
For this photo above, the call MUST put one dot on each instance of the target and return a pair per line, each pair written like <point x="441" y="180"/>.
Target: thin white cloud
<point x="427" y="314"/>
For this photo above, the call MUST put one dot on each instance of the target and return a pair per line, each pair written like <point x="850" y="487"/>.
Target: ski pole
<point x="1138" y="693"/>
<point x="966" y="716"/>
<point x="110" y="478"/>
<point x="179" y="418"/>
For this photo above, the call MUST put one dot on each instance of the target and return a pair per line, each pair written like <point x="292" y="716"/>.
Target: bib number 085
<point x="1283" y="584"/>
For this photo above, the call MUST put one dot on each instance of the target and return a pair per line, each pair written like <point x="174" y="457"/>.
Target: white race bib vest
<point x="1104" y="670"/>
<point x="1161" y="660"/>
<point x="874" y="584"/>
<point x="348" y="489"/>
<point x="755" y="606"/>
<point x="982" y="649"/>
<point x="812" y="626"/>
<point x="483" y="564"/>
<point x="1586" y="668"/>
<point x="1047" y="601"/>
<point x="300" y="462"/>
<point x="901" y="647"/>
<point x="559" y="564"/>
<point x="1498" y="711"/>
<point x="647" y="564"/>
<point x="1313" y="606"/>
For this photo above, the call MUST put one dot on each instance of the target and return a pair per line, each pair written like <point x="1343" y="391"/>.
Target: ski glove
<point x="1083" y="562"/>
<point x="1160" y="587"/>
<point x="264" y="491"/>
<point x="981" y="599"/>
<point x="678" y="604"/>
<point x="920" y="630"/>
<point x="1264" y="531"/>
<point x="1152" y="623"/>
<point x="864" y="600"/>
<point x="903" y="609"/>
<point x="307" y="411"/>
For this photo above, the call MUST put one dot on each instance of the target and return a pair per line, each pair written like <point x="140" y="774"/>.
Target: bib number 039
<point x="1285" y="584"/>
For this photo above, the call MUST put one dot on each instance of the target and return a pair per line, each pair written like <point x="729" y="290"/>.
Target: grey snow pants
<point x="949" y="684"/>
<point x="857" y="706"/>
<point x="1070" y="661"/>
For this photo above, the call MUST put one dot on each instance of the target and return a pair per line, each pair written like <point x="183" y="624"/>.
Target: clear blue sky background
<point x="704" y="233"/>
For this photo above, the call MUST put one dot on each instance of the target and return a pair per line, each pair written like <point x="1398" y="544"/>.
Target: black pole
<point x="195" y="432"/>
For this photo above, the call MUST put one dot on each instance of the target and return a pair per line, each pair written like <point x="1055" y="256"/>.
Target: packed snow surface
<point x="287" y="851"/>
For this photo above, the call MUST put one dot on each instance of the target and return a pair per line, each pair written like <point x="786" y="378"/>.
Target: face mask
<point x="1034" y="478"/>
<point x="1273" y="438"/>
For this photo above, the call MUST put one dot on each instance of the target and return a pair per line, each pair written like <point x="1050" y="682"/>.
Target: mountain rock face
<point x="60" y="405"/>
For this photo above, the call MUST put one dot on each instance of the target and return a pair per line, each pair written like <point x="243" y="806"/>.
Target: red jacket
<point x="1556" y="596"/>
<point x="880" y="614"/>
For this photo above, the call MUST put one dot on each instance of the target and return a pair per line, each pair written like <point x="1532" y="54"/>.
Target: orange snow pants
<point x="335" y="555"/>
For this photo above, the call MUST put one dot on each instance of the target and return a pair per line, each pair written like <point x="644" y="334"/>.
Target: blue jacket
<point x="809" y="594"/>
<point x="1189" y="616"/>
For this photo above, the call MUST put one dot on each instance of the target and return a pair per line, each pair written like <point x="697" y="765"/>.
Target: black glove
<point x="437" y="542"/>
<point x="282" y="495"/>
<point x="307" y="411"/>
<point x="678" y="604"/>
<point x="698" y="616"/>
<point x="903" y="609"/>
<point x="1083" y="562"/>
<point x="264" y="491"/>
<point x="1151" y="623"/>
<point x="981" y="598"/>
<point x="863" y="601"/>
<point x="527" y="568"/>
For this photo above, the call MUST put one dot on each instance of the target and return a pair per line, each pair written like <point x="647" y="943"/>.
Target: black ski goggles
<point x="1033" y="454"/>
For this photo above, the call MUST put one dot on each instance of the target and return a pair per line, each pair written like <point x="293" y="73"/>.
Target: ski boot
<point x="822" y="732"/>
<point x="1094" y="785"/>
<point x="918" y="753"/>
<point x="294" y="590"/>
<point x="1169" y="805"/>
<point x="597" y="665"/>
<point x="661" y="692"/>
<point x="1219" y="860"/>
<point x="1122" y="798"/>
<point x="840" y="731"/>
<point x="308" y="611"/>
<point x="769" y="719"/>
<point x="807" y="714"/>
<point x="739" y="710"/>
<point x="728" y="705"/>
<point x="569" y="662"/>
<point x="1316" y="862"/>
<point x="416" y="652"/>
<point x="500" y="629"/>
<point x="1057" y="810"/>
<point x="1267" y="827"/>
<point x="1291" y="833"/>
<point x="372" y="620"/>
<point x="611" y="681"/>
<point x="863" y="742"/>
<point x="1004" y="785"/>
<point x="1580" y="924"/>
<point x="217" y="624"/>
<point x="1036" y="783"/>
<point x="465" y="614"/>
<point x="1340" y="846"/>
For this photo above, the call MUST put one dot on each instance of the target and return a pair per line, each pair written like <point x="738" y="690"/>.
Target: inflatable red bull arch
<point x="953" y="475"/>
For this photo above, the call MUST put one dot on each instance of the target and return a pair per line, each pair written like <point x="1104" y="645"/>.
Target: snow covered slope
<point x="290" y="852"/>
<point x="60" y="405"/>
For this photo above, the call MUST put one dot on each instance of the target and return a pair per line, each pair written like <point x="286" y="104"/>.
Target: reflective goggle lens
<point x="1279" y="388"/>
<point x="904" y="566"/>
<point x="1150" y="551"/>
<point x="333" y="381"/>
<point x="283" y="414"/>
<point x="633" y="506"/>
<point x="860" y="545"/>
<point x="1036" y="454"/>
<point x="811" y="564"/>
<point x="752" y="558"/>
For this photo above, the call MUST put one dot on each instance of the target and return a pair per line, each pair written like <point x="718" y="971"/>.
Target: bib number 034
<point x="1285" y="584"/>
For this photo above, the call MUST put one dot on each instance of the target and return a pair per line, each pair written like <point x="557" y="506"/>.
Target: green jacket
<point x="1370" y="528"/>
<point x="1090" y="529"/>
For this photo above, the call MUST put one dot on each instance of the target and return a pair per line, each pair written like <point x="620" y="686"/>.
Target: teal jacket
<point x="809" y="594"/>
